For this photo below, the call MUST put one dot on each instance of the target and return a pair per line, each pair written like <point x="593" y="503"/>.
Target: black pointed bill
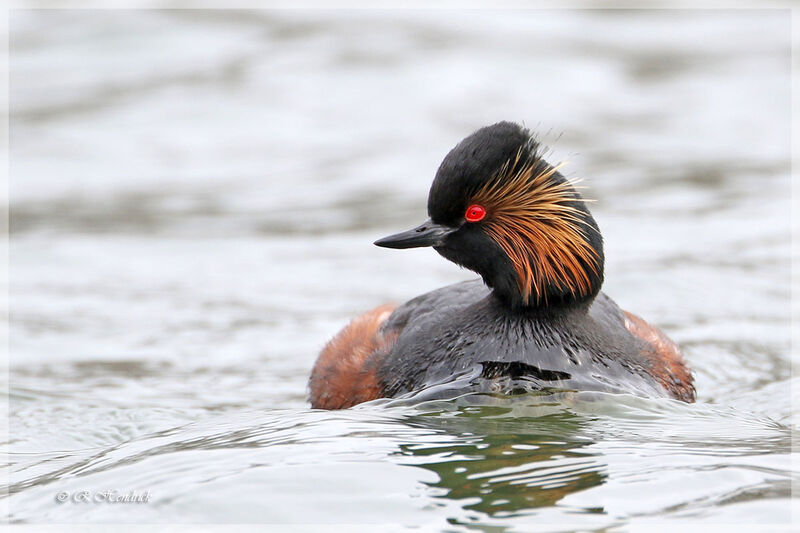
<point x="426" y="234"/>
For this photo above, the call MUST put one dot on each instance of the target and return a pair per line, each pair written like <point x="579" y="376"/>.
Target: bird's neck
<point x="539" y="277"/>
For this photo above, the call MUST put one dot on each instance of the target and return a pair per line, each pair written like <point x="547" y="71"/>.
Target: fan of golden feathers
<point x="532" y="216"/>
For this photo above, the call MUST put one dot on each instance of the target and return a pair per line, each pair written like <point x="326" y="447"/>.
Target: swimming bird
<point x="535" y="319"/>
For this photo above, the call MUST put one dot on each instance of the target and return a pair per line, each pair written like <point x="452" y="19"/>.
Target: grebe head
<point x="498" y="208"/>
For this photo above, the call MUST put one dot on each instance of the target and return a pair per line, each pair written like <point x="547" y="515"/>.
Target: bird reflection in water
<point x="492" y="461"/>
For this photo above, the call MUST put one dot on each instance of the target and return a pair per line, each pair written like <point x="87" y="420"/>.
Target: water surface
<point x="194" y="195"/>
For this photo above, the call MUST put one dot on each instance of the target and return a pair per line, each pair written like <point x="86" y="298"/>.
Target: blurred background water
<point x="193" y="199"/>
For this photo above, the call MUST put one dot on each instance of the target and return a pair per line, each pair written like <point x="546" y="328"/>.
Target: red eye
<point x="475" y="213"/>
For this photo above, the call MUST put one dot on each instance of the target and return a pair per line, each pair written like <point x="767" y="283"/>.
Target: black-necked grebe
<point x="498" y="208"/>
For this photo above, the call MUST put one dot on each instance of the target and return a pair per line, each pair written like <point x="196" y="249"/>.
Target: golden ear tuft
<point x="532" y="217"/>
